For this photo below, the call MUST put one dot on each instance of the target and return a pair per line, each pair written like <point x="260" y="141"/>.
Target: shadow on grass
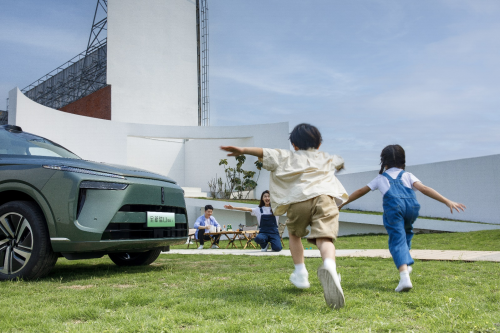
<point x="82" y="270"/>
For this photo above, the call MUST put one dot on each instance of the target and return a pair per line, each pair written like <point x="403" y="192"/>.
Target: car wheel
<point x="134" y="258"/>
<point x="25" y="249"/>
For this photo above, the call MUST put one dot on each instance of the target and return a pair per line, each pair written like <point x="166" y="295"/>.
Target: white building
<point x="147" y="114"/>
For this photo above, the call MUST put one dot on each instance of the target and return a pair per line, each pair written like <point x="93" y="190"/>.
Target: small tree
<point x="237" y="179"/>
<point x="215" y="187"/>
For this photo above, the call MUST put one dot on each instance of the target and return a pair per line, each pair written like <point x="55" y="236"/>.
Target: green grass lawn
<point x="203" y="293"/>
<point x="488" y="240"/>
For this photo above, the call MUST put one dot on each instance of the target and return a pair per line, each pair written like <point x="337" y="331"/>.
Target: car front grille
<point x="119" y="231"/>
<point x="152" y="208"/>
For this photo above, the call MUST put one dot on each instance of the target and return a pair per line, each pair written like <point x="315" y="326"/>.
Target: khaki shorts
<point x="321" y="213"/>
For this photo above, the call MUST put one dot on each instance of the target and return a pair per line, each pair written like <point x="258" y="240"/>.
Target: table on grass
<point x="247" y="234"/>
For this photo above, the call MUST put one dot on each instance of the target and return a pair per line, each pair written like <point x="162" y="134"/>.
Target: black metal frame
<point x="202" y="42"/>
<point x="80" y="76"/>
<point x="4" y="117"/>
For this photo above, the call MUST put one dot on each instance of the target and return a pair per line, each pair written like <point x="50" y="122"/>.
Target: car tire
<point x="25" y="249"/>
<point x="134" y="258"/>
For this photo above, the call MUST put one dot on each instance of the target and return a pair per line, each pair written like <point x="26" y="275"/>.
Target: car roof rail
<point x="12" y="128"/>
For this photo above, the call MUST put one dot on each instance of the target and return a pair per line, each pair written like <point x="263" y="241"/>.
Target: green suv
<point x="54" y="204"/>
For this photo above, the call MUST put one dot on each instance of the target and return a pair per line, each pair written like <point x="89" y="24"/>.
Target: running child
<point x="303" y="185"/>
<point x="268" y="223"/>
<point x="400" y="207"/>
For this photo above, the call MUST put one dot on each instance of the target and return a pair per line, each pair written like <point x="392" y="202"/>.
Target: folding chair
<point x="281" y="230"/>
<point x="191" y="237"/>
<point x="249" y="233"/>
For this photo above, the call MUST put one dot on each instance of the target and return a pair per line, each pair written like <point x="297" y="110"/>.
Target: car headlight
<point x="92" y="185"/>
<point x="80" y="170"/>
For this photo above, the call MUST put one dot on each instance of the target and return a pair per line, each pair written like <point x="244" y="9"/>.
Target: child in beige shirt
<point x="303" y="185"/>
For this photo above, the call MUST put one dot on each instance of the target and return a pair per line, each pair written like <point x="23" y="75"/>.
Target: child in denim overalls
<point x="400" y="207"/>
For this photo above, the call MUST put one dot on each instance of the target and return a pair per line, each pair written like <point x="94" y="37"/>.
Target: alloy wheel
<point x="16" y="242"/>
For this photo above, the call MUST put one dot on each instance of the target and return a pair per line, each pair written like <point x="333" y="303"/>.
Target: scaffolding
<point x="80" y="76"/>
<point x="86" y="73"/>
<point x="4" y="117"/>
<point x="202" y="39"/>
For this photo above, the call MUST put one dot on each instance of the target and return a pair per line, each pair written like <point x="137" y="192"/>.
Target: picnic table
<point x="248" y="235"/>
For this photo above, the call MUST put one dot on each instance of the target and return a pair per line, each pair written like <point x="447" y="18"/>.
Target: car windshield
<point x="21" y="143"/>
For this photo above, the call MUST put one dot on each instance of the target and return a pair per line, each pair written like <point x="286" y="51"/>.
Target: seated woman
<point x="202" y="225"/>
<point x="268" y="223"/>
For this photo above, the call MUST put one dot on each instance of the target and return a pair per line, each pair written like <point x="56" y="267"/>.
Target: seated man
<point x="202" y="225"/>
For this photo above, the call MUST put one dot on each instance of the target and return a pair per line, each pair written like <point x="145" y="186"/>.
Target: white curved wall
<point x="188" y="154"/>
<point x="471" y="181"/>
<point x="163" y="156"/>
<point x="152" y="61"/>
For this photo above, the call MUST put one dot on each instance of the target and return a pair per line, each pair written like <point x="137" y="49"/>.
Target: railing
<point x="76" y="78"/>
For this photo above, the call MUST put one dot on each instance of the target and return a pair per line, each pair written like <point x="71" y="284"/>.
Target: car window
<point x="21" y="143"/>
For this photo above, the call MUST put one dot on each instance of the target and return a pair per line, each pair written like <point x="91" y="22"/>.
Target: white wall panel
<point x="163" y="156"/>
<point x="90" y="138"/>
<point x="152" y="61"/>
<point x="202" y="160"/>
<point x="472" y="181"/>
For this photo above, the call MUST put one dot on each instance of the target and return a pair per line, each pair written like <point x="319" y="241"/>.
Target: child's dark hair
<point x="392" y="156"/>
<point x="305" y="136"/>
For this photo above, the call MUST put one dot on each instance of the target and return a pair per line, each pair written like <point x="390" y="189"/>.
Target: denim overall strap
<point x="389" y="178"/>
<point x="268" y="223"/>
<point x="397" y="188"/>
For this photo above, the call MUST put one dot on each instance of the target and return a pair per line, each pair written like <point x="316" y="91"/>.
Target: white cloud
<point x="42" y="37"/>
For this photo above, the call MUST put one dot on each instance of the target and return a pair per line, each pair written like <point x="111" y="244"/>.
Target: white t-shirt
<point x="381" y="183"/>
<point x="266" y="210"/>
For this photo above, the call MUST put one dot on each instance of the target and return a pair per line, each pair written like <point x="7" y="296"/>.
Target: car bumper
<point x="109" y="246"/>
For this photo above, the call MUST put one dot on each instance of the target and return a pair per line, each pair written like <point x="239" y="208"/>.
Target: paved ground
<point x="416" y="254"/>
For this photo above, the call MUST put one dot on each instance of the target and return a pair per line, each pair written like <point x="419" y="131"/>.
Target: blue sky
<point x="424" y="74"/>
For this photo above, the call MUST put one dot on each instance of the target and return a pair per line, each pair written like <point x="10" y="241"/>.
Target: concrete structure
<point x="152" y="62"/>
<point x="188" y="154"/>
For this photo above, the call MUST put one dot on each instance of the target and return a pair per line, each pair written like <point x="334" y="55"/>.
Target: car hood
<point x="116" y="169"/>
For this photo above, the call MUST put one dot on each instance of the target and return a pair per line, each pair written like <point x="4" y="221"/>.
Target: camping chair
<point x="281" y="230"/>
<point x="249" y="233"/>
<point x="191" y="237"/>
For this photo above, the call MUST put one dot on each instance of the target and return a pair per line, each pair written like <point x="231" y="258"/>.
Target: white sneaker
<point x="404" y="286"/>
<point x="214" y="247"/>
<point x="264" y="249"/>
<point x="200" y="247"/>
<point x="300" y="280"/>
<point x="409" y="269"/>
<point x="330" y="280"/>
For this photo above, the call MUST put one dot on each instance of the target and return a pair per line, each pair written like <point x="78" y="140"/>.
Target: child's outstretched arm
<point x="356" y="195"/>
<point x="431" y="193"/>
<point x="237" y="151"/>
